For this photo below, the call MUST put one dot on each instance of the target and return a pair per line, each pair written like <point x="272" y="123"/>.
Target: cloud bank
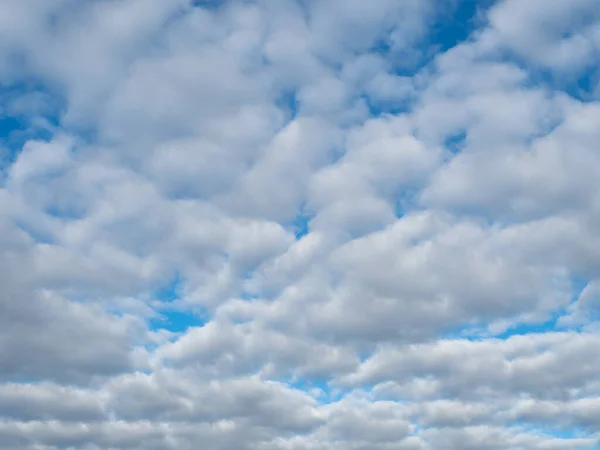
<point x="299" y="224"/>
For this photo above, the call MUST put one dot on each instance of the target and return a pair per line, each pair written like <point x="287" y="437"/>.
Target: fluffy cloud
<point x="299" y="224"/>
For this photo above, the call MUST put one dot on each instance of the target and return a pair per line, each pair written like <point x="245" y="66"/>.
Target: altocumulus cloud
<point x="299" y="224"/>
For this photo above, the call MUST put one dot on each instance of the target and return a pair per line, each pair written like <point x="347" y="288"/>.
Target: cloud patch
<point x="299" y="225"/>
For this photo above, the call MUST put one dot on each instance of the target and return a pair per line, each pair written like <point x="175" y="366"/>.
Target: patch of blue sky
<point x="416" y="430"/>
<point x="28" y="97"/>
<point x="452" y="24"/>
<point x="522" y="329"/>
<point x="568" y="433"/>
<point x="172" y="290"/>
<point x="456" y="142"/>
<point x="172" y="316"/>
<point x="12" y="138"/>
<point x="177" y="321"/>
<point x="455" y="22"/>
<point x="557" y="431"/>
<point x="36" y="232"/>
<point x="33" y="110"/>
<point x="319" y="389"/>
<point x="580" y="87"/>
<point x="473" y="333"/>
<point x="586" y="87"/>
<point x="578" y="284"/>
<point x="479" y="332"/>
<point x="378" y="108"/>
<point x="66" y="211"/>
<point x="301" y="224"/>
<point x="583" y="85"/>
<point x="25" y="114"/>
<point x="249" y="296"/>
<point x="288" y="102"/>
<point x="8" y="126"/>
<point x="207" y="4"/>
<point x="406" y="200"/>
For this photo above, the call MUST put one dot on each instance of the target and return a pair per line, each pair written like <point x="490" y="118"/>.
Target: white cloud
<point x="386" y="256"/>
<point x="561" y="36"/>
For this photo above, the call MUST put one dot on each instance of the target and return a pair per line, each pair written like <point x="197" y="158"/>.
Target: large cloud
<point x="299" y="225"/>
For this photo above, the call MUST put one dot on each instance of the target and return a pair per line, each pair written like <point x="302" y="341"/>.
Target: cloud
<point x="359" y="237"/>
<point x="562" y="37"/>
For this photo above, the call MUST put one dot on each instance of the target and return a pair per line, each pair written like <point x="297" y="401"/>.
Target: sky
<point x="299" y="225"/>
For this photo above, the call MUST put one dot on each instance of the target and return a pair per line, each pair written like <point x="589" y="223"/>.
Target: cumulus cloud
<point x="299" y="224"/>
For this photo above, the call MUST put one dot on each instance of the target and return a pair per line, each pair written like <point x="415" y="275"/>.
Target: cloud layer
<point x="299" y="224"/>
